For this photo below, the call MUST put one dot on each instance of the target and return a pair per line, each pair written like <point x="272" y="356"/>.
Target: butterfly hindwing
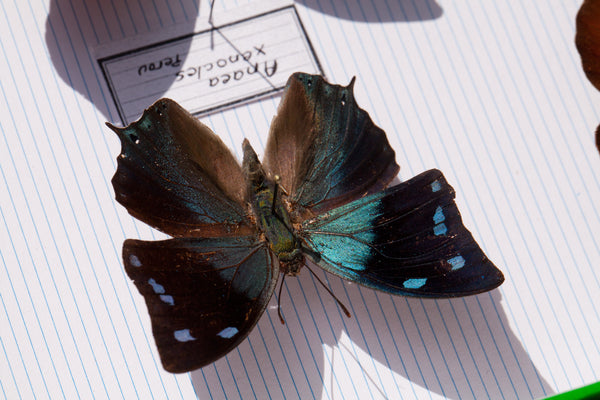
<point x="408" y="239"/>
<point x="326" y="149"/>
<point x="203" y="295"/>
<point x="177" y="176"/>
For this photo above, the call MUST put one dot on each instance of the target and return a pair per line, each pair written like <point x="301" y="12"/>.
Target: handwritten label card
<point x="212" y="69"/>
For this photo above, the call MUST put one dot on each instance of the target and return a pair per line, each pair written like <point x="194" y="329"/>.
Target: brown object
<point x="587" y="40"/>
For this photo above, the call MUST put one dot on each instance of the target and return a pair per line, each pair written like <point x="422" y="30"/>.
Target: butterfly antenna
<point x="342" y="306"/>
<point x="279" y="301"/>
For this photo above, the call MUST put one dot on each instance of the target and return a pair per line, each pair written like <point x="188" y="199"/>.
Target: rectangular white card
<point x="212" y="69"/>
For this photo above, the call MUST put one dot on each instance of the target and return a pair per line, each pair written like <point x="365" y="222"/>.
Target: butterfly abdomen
<point x="270" y="213"/>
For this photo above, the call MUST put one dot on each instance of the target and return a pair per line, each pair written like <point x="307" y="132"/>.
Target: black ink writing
<point x="248" y="57"/>
<point x="259" y="50"/>
<point x="265" y="68"/>
<point x="165" y="62"/>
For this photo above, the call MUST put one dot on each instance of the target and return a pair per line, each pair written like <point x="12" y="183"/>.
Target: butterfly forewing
<point x="408" y="239"/>
<point x="203" y="295"/>
<point x="326" y="149"/>
<point x="177" y="176"/>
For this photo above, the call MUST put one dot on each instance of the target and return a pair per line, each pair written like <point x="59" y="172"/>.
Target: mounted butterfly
<point x="321" y="193"/>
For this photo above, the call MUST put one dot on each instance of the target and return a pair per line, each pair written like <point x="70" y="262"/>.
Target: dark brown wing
<point x="325" y="149"/>
<point x="204" y="296"/>
<point x="176" y="175"/>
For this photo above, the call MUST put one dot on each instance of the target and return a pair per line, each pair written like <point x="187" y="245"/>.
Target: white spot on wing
<point x="135" y="261"/>
<point x="436" y="186"/>
<point x="457" y="262"/>
<point x="228" y="333"/>
<point x="183" y="335"/>
<point x="158" y="289"/>
<point x="167" y="299"/>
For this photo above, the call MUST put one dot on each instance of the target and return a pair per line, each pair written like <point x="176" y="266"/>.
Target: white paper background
<point x="491" y="93"/>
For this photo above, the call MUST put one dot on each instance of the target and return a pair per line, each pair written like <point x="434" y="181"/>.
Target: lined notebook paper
<point x="491" y="93"/>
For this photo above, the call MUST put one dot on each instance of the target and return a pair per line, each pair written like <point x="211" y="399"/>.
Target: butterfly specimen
<point x="320" y="193"/>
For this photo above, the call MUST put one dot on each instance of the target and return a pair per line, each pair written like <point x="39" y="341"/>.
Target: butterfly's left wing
<point x="408" y="240"/>
<point x="326" y="150"/>
<point x="204" y="296"/>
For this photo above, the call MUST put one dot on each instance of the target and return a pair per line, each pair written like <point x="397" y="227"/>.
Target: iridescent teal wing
<point x="204" y="296"/>
<point x="177" y="176"/>
<point x="325" y="149"/>
<point x="408" y="240"/>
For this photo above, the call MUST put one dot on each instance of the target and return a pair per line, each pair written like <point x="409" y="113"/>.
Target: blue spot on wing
<point x="457" y="262"/>
<point x="440" y="229"/>
<point x="135" y="261"/>
<point x="439" y="215"/>
<point x="438" y="218"/>
<point x="414" y="283"/>
<point x="228" y="332"/>
<point x="167" y="299"/>
<point x="183" y="335"/>
<point x="158" y="289"/>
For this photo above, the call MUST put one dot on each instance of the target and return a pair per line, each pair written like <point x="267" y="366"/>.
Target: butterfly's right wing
<point x="204" y="296"/>
<point x="408" y="240"/>
<point x="176" y="175"/>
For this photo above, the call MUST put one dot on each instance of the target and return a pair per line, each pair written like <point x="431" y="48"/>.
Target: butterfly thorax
<point x="272" y="217"/>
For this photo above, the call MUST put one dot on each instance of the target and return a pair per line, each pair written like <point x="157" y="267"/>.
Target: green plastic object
<point x="589" y="392"/>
